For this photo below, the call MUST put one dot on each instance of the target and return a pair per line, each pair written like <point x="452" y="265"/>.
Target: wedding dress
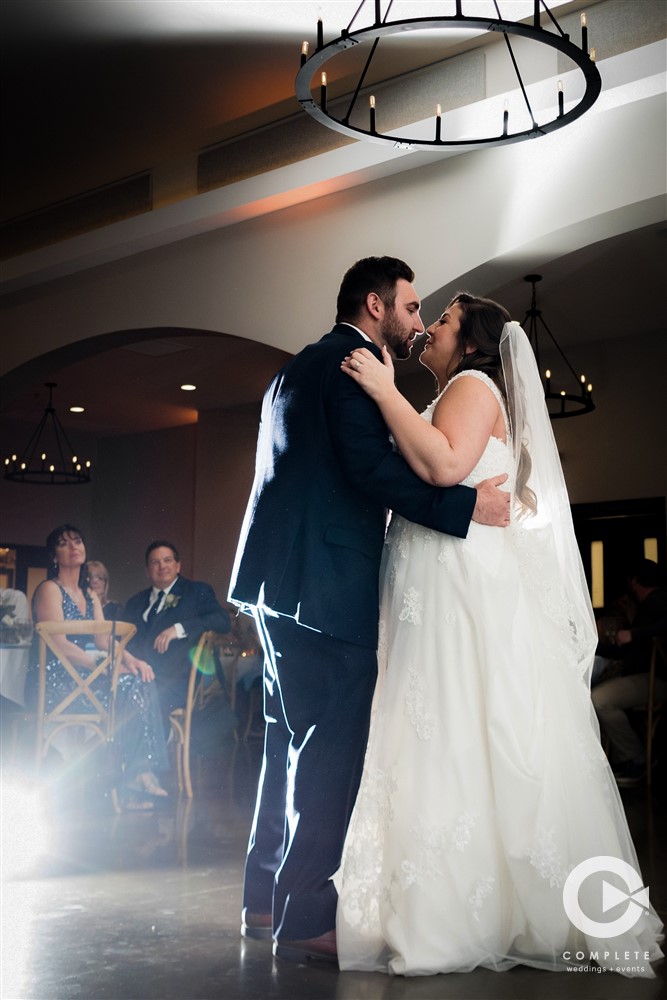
<point x="484" y="783"/>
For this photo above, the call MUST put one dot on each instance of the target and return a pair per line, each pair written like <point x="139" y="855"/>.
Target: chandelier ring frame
<point x="347" y="40"/>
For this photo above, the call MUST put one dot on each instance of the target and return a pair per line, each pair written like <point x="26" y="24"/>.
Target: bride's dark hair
<point x="482" y="322"/>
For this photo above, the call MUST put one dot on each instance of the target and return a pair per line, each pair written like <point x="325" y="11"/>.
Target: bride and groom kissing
<point x="465" y="824"/>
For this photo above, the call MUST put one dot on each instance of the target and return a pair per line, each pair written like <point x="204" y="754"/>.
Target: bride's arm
<point x="442" y="453"/>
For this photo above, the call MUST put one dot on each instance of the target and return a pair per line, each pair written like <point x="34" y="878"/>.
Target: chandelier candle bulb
<point x="304" y="52"/>
<point x="592" y="55"/>
<point x="547" y="376"/>
<point x="438" y="122"/>
<point x="561" y="99"/>
<point x="381" y="25"/>
<point x="323" y="92"/>
<point x="584" y="33"/>
<point x="371" y="105"/>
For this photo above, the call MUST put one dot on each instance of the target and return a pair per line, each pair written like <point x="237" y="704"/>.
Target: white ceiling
<point x="97" y="90"/>
<point x="94" y="90"/>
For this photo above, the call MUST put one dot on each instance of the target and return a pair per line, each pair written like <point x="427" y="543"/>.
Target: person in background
<point x="633" y="647"/>
<point x="170" y="616"/>
<point x="66" y="596"/>
<point x="98" y="577"/>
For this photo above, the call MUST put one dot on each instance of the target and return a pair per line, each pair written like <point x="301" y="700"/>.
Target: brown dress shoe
<point x="318" y="949"/>
<point x="256" y="925"/>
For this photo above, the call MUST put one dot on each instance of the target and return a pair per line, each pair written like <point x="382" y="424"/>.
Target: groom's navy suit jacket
<point x="326" y="472"/>
<point x="197" y="609"/>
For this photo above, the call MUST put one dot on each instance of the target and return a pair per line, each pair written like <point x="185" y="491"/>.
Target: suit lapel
<point x="172" y="612"/>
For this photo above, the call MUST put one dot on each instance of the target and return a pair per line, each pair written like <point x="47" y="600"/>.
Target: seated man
<point x="170" y="617"/>
<point x="633" y="648"/>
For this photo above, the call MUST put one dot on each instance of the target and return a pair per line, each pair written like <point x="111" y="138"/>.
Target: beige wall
<point x="619" y="451"/>
<point x="191" y="484"/>
<point x="144" y="489"/>
<point x="516" y="203"/>
<point x="188" y="485"/>
<point x="225" y="466"/>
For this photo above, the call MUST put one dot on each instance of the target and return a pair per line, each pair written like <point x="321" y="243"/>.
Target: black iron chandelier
<point x="555" y="38"/>
<point x="48" y="458"/>
<point x="560" y="402"/>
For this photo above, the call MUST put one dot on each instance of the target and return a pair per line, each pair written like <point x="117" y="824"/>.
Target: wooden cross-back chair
<point x="653" y="709"/>
<point x="203" y="687"/>
<point x="99" y="719"/>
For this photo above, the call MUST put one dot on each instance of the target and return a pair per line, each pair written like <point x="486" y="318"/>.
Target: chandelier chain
<point x="527" y="126"/>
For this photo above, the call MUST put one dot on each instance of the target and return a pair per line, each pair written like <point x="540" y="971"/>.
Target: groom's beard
<point x="398" y="339"/>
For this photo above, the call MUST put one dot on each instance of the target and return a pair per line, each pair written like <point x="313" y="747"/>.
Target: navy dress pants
<point x="317" y="700"/>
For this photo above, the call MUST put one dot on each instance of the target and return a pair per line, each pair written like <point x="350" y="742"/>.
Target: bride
<point x="484" y="783"/>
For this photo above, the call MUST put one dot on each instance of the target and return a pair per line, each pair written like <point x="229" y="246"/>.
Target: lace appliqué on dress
<point x="362" y="863"/>
<point x="382" y="644"/>
<point x="412" y="607"/>
<point x="535" y="561"/>
<point x="483" y="889"/>
<point x="545" y="858"/>
<point x="415" y="707"/>
<point x="430" y="844"/>
<point x="445" y="556"/>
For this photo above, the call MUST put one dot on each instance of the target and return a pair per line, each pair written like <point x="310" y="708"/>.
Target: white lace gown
<point x="484" y="782"/>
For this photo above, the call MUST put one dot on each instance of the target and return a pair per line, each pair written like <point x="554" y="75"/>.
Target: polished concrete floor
<point x="147" y="904"/>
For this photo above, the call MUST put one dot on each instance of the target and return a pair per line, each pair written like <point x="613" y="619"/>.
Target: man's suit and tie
<point x="193" y="605"/>
<point x="307" y="565"/>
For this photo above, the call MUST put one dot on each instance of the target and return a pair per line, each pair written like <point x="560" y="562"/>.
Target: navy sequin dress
<point x="139" y="731"/>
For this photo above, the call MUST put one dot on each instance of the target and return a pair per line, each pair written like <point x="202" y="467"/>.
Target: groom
<point x="307" y="568"/>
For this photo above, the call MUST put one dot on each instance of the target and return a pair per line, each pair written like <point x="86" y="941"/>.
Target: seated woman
<point x="66" y="596"/>
<point x="98" y="582"/>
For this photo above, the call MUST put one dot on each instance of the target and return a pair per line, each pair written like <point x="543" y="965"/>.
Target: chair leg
<point x="177" y="737"/>
<point x="252" y="708"/>
<point x="179" y="765"/>
<point x="186" y="768"/>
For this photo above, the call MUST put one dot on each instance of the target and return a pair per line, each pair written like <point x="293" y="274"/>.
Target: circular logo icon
<point x="636" y="898"/>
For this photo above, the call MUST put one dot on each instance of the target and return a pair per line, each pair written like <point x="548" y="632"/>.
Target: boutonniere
<point x="171" y="600"/>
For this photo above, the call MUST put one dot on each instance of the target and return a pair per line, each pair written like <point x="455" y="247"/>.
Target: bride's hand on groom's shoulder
<point x="493" y="503"/>
<point x="375" y="377"/>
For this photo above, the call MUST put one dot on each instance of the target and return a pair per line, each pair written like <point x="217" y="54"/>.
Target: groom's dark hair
<point x="161" y="543"/>
<point x="370" y="274"/>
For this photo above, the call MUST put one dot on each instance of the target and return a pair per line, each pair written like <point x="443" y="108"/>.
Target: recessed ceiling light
<point x="76" y="409"/>
<point x="188" y="388"/>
